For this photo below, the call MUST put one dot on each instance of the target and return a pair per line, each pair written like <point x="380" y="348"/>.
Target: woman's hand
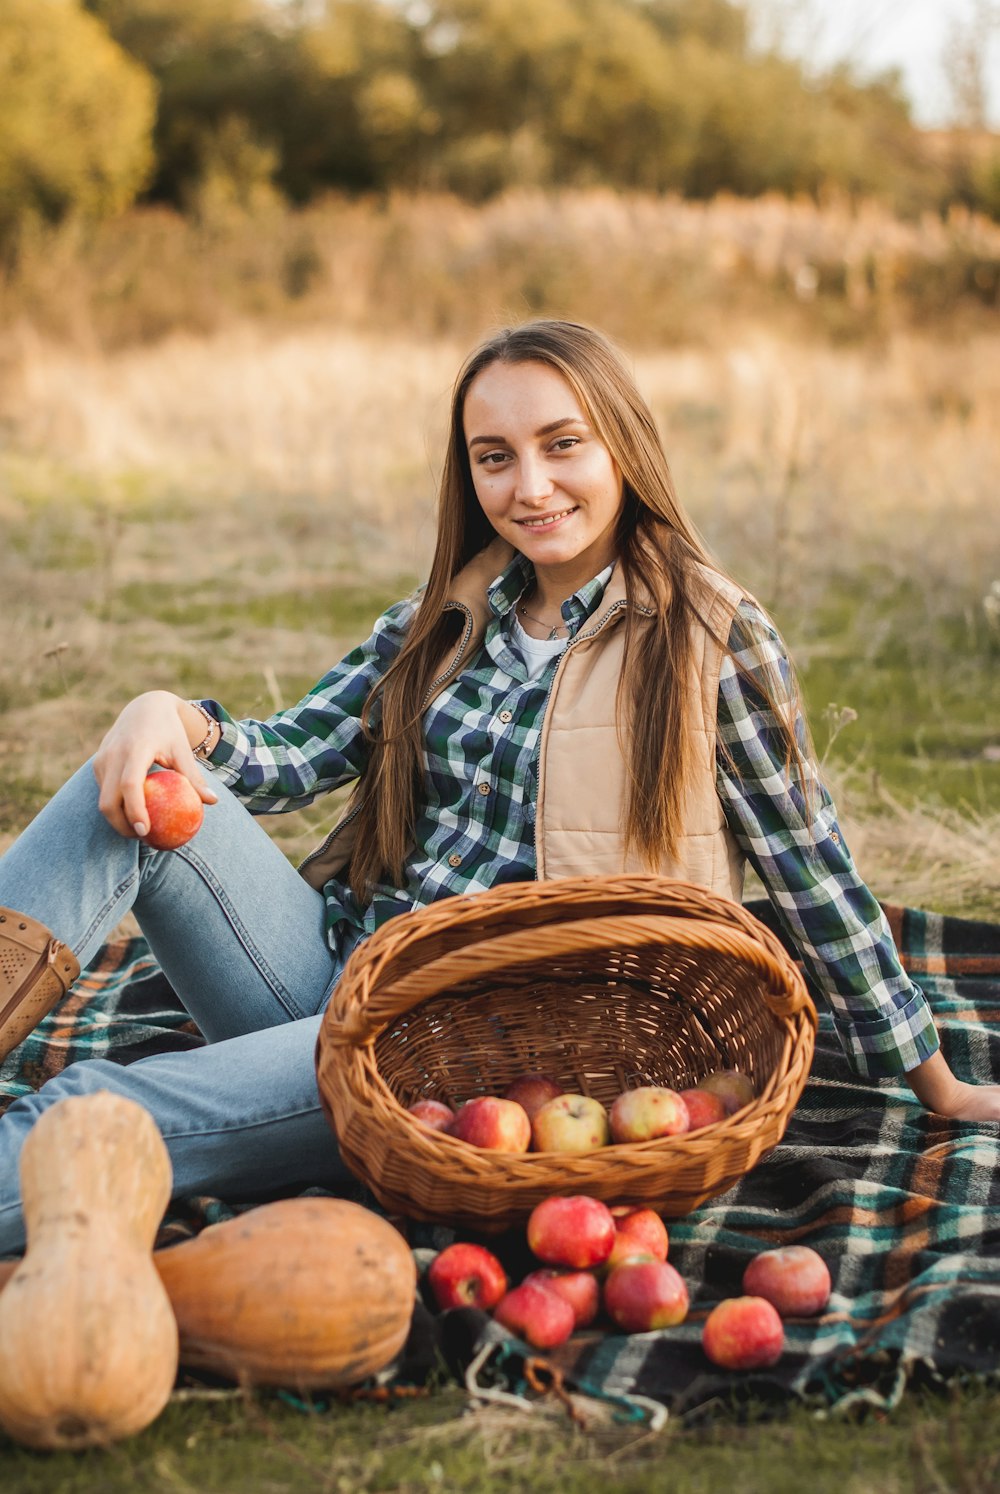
<point x="937" y="1089"/>
<point x="154" y="728"/>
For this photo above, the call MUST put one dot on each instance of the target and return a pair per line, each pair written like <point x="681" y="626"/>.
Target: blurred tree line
<point x="209" y="104"/>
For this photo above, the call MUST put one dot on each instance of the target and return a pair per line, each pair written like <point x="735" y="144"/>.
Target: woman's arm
<point x="280" y="763"/>
<point x="833" y="919"/>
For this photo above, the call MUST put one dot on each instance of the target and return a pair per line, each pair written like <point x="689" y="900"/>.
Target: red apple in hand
<point x="743" y="1333"/>
<point x="648" y="1112"/>
<point x="795" y="1280"/>
<point x="537" y="1314"/>
<point x="173" y="809"/>
<point x="532" y="1091"/>
<point x="433" y="1113"/>
<point x="638" y="1232"/>
<point x="570" y="1123"/>
<point x="575" y="1231"/>
<point x="642" y="1295"/>
<point x="466" y="1276"/>
<point x="579" y="1288"/>
<point x="495" y="1125"/>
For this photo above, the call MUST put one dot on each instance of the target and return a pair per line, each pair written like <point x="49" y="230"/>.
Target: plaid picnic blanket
<point x="904" y="1206"/>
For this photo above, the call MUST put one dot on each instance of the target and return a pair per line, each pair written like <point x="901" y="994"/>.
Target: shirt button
<point x="835" y="837"/>
<point x="506" y="716"/>
<point x="483" y="788"/>
<point x="454" y="860"/>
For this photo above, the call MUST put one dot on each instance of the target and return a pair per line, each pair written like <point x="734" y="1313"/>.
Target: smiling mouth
<point x="546" y="521"/>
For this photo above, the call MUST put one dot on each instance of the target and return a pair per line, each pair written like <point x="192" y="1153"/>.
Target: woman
<point x="578" y="689"/>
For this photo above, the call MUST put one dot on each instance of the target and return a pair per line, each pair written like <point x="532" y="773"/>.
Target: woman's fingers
<point x="149" y="732"/>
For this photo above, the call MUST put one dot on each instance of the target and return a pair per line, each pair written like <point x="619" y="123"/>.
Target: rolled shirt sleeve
<point x="285" y="761"/>
<point x="883" y="1020"/>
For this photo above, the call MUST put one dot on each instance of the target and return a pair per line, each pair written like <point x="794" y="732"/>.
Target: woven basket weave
<point x="603" y="983"/>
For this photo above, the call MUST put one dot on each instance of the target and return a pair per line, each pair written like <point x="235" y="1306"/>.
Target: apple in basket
<point x="795" y="1279"/>
<point x="532" y="1091"/>
<point x="743" y="1333"/>
<point x="638" y="1232"/>
<point x="580" y="1289"/>
<point x="493" y="1124"/>
<point x="647" y="1113"/>
<point x="573" y="1231"/>
<point x="641" y="1295"/>
<point x="464" y="1275"/>
<point x="174" y="809"/>
<point x="570" y="1123"/>
<point x="733" y="1088"/>
<point x="433" y="1113"/>
<point x="704" y="1108"/>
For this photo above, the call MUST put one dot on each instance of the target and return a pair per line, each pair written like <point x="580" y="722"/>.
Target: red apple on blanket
<point x="537" y="1314"/>
<point x="704" y="1108"/>
<point x="466" y="1276"/>
<point x="638" y="1232"/>
<point x="794" y="1279"/>
<point x="433" y="1113"/>
<point x="641" y="1295"/>
<point x="647" y="1113"/>
<point x="743" y="1333"/>
<point x="579" y="1288"/>
<point x="575" y="1231"/>
<point x="733" y="1088"/>
<point x="570" y="1123"/>
<point x="532" y="1091"/>
<point x="173" y="809"/>
<point x="493" y="1124"/>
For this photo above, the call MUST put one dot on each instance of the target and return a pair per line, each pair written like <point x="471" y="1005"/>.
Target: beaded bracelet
<point x="202" y="748"/>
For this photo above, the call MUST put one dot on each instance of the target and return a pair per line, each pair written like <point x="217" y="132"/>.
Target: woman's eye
<point x="492" y="458"/>
<point x="565" y="442"/>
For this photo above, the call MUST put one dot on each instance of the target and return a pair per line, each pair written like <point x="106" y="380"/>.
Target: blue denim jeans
<point x="242" y="940"/>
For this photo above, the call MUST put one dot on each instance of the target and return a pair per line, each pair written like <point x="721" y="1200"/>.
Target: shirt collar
<point x="516" y="577"/>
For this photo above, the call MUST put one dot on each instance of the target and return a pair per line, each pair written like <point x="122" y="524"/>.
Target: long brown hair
<point x="659" y="551"/>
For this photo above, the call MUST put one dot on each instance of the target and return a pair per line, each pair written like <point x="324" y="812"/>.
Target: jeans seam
<point x="277" y="986"/>
<point x="107" y="908"/>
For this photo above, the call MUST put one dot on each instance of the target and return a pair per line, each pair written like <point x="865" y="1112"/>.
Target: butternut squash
<point x="88" y="1341"/>
<point x="305" y="1293"/>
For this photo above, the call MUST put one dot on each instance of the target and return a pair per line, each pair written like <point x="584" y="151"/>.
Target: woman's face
<point x="544" y="479"/>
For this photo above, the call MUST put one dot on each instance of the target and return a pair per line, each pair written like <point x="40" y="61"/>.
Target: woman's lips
<point x="545" y="521"/>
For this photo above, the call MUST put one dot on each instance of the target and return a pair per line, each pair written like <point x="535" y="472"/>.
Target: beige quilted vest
<point x="582" y="774"/>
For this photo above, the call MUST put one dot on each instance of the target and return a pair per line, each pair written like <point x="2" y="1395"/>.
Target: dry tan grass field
<point x="225" y="514"/>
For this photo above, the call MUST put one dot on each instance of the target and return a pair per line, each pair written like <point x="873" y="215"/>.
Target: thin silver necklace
<point x="553" y="631"/>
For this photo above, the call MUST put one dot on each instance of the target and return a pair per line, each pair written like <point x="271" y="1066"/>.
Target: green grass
<point x="925" y="686"/>
<point x="230" y="1446"/>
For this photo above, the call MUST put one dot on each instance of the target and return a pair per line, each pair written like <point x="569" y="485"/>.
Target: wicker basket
<point x="603" y="983"/>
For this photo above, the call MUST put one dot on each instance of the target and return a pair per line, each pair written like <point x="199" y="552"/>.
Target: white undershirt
<point x="535" y="652"/>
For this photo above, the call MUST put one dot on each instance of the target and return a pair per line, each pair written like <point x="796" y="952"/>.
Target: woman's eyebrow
<point x="544" y="430"/>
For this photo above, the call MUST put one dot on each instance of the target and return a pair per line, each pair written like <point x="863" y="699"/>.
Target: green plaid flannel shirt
<point x="477" y="823"/>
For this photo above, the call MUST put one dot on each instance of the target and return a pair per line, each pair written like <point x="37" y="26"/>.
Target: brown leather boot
<point x="36" y="971"/>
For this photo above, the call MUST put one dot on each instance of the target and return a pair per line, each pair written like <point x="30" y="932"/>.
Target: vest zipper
<point x="330" y="836"/>
<point x="463" y="644"/>
<point x="44" y="961"/>
<point x="581" y="638"/>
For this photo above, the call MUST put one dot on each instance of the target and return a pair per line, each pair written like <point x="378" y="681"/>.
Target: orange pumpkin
<point x="305" y="1292"/>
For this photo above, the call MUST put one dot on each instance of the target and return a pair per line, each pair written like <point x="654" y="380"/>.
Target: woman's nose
<point x="533" y="485"/>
